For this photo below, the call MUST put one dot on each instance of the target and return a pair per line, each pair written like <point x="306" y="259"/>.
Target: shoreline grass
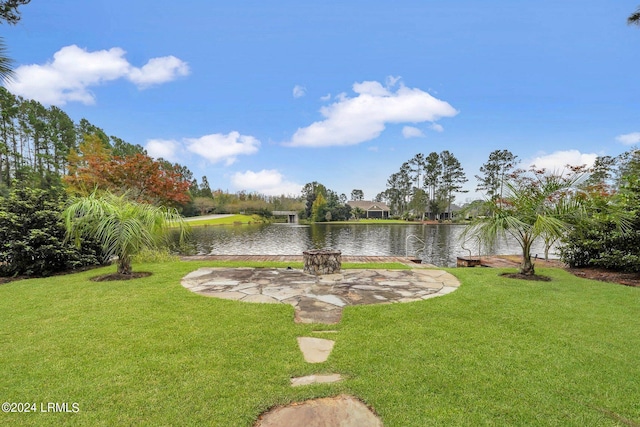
<point x="227" y="220"/>
<point x="497" y="351"/>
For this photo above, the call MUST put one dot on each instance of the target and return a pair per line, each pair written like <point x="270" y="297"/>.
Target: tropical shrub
<point x="535" y="206"/>
<point x="123" y="227"/>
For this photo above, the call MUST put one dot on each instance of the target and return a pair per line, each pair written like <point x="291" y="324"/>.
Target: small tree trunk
<point x="527" y="267"/>
<point x="124" y="265"/>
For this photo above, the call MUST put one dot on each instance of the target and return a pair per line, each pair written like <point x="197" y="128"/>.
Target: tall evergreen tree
<point x="205" y="189"/>
<point x="500" y="163"/>
<point x="357" y="194"/>
<point x="432" y="173"/>
<point x="9" y="10"/>
<point x="452" y="177"/>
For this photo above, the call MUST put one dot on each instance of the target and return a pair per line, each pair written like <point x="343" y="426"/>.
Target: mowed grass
<point x="497" y="351"/>
<point x="372" y="221"/>
<point x="227" y="220"/>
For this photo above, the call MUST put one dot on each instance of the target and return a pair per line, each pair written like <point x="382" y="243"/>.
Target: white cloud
<point x="267" y="181"/>
<point x="437" y="127"/>
<point x="218" y="147"/>
<point x="299" y="91"/>
<point x="557" y="161"/>
<point x="73" y="70"/>
<point x="158" y="70"/>
<point x="326" y="97"/>
<point x="165" y="148"/>
<point x="371" y="88"/>
<point x="392" y="80"/>
<point x="629" y="138"/>
<point x="350" y="121"/>
<point x="412" y="132"/>
<point x="342" y="96"/>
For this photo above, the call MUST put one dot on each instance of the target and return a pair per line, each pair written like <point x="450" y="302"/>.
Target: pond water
<point x="434" y="244"/>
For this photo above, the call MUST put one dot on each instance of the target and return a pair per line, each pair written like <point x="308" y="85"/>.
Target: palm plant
<point x="542" y="206"/>
<point x="121" y="226"/>
<point x="6" y="70"/>
<point x="634" y="18"/>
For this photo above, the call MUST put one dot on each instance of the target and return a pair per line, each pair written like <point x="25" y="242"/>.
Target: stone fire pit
<point x="322" y="261"/>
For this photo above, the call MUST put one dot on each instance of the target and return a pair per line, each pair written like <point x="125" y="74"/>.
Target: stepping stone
<point x="315" y="350"/>
<point x="315" y="379"/>
<point x="342" y="411"/>
<point x="309" y="310"/>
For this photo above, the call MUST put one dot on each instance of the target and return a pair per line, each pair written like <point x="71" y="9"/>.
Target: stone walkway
<point x="320" y="299"/>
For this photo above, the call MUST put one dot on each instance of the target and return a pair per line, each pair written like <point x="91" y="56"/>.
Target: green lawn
<point x="227" y="220"/>
<point x="373" y="221"/>
<point x="148" y="352"/>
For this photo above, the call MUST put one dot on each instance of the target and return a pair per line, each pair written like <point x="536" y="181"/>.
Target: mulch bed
<point x="627" y="279"/>
<point x="118" y="276"/>
<point x="535" y="277"/>
<point x="601" y="274"/>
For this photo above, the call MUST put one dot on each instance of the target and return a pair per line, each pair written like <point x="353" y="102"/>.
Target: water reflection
<point x="435" y="244"/>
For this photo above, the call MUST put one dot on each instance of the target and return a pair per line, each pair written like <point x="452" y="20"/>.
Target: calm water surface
<point x="435" y="244"/>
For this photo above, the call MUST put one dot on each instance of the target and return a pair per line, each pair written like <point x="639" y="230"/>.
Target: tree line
<point x="425" y="187"/>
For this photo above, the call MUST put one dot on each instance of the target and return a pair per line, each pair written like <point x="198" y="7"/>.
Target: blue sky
<point x="267" y="96"/>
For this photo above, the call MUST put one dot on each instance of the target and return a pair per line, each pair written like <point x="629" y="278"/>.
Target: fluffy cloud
<point x="299" y="91"/>
<point x="218" y="147"/>
<point x="350" y="121"/>
<point x="629" y="138"/>
<point x="73" y="70"/>
<point x="412" y="132"/>
<point x="557" y="161"/>
<point x="157" y="71"/>
<point x="436" y="127"/>
<point x="165" y="148"/>
<point x="267" y="181"/>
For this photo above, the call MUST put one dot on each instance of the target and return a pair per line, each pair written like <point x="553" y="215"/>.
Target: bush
<point x="32" y="235"/>
<point x="155" y="256"/>
<point x="602" y="244"/>
<point x="600" y="241"/>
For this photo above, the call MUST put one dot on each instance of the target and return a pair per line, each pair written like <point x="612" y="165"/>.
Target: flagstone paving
<point x="320" y="299"/>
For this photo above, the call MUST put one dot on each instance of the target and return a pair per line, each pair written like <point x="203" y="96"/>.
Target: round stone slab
<point x="342" y="411"/>
<point x="320" y="299"/>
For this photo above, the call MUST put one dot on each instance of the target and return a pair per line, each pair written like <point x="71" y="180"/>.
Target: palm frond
<point x="124" y="228"/>
<point x="634" y="18"/>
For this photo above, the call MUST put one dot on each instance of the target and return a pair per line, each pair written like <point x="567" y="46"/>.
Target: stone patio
<point x="320" y="299"/>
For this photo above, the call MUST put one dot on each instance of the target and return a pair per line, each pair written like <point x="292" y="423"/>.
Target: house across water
<point x="371" y="209"/>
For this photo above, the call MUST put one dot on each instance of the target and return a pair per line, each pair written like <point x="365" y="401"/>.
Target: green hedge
<point x="32" y="235"/>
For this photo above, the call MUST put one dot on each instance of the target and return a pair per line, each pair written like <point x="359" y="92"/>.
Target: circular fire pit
<point x="322" y="261"/>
